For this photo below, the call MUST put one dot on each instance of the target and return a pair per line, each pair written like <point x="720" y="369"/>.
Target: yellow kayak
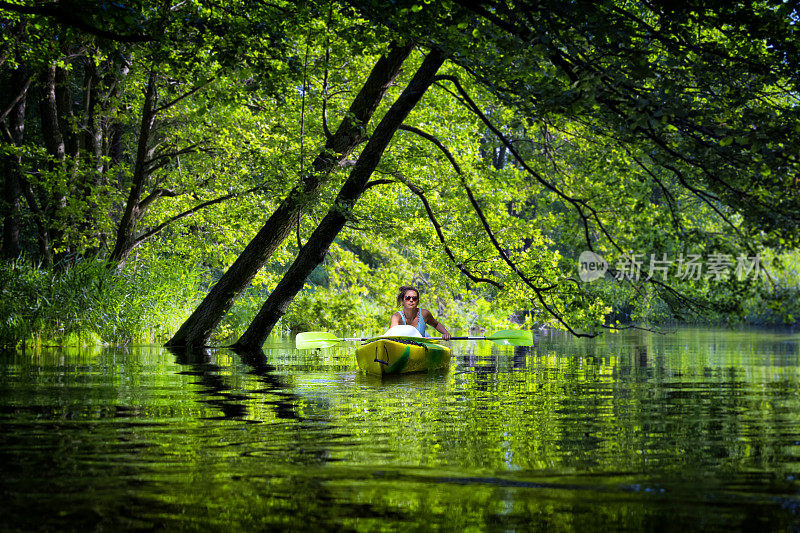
<point x="398" y="356"/>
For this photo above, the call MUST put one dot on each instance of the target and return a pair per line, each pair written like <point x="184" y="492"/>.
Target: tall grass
<point x="87" y="303"/>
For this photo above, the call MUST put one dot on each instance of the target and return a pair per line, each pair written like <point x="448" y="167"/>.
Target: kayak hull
<point x="392" y="356"/>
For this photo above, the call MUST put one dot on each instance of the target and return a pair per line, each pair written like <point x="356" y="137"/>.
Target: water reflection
<point x="219" y="388"/>
<point x="215" y="389"/>
<point x="485" y="364"/>
<point x="630" y="431"/>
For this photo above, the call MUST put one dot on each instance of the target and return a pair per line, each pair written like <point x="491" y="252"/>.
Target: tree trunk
<point x="40" y="218"/>
<point x="51" y="130"/>
<point x="196" y="330"/>
<point x="92" y="127"/>
<point x="92" y="144"/>
<point x="132" y="213"/>
<point x="313" y="253"/>
<point x="52" y="201"/>
<point x="12" y="190"/>
<point x="10" y="209"/>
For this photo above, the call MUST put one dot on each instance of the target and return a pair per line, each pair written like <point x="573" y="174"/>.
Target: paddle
<point x="323" y="339"/>
<point x="505" y="337"/>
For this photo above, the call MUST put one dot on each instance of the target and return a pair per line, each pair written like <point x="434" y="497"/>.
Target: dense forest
<point x="195" y="172"/>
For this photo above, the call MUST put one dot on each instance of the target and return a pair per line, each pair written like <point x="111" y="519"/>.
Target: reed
<point x="84" y="302"/>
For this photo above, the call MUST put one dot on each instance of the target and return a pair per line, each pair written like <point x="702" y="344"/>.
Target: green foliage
<point x="631" y="135"/>
<point x="86" y="303"/>
<point x="42" y="305"/>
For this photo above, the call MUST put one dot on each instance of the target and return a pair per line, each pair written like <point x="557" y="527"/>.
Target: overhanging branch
<point x="539" y="291"/>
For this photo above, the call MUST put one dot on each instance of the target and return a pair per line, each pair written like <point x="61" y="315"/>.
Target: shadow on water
<point x="219" y="392"/>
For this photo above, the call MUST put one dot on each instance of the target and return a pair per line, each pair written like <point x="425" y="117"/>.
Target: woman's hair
<point x="403" y="290"/>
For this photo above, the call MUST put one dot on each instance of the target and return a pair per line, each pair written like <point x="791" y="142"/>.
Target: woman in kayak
<point x="410" y="314"/>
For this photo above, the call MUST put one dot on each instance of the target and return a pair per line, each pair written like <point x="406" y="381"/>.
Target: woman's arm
<point x="438" y="326"/>
<point x="395" y="321"/>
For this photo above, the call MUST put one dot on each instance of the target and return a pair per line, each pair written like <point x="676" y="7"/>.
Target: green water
<point x="699" y="430"/>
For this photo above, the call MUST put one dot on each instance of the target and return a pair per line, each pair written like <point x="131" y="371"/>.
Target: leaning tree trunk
<point x="313" y="253"/>
<point x="196" y="330"/>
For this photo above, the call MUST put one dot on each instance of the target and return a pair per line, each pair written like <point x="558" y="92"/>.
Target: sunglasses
<point x="412" y="298"/>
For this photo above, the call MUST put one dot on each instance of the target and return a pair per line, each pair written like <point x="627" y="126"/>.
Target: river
<point x="698" y="429"/>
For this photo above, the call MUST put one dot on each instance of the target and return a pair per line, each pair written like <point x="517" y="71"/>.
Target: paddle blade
<point x="315" y="339"/>
<point x="513" y="337"/>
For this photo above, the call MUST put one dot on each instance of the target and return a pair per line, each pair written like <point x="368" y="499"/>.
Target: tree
<point x="652" y="82"/>
<point x="197" y="329"/>
<point x="614" y="127"/>
<point x="314" y="250"/>
<point x="75" y="166"/>
<point x="13" y="134"/>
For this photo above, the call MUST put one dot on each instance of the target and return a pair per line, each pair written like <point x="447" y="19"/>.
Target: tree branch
<point x="459" y="265"/>
<point x="157" y="229"/>
<point x="326" y="131"/>
<point x="19" y="96"/>
<point x="488" y="229"/>
<point x="435" y="141"/>
<point x="670" y="198"/>
<point x="577" y="204"/>
<point x="375" y="183"/>
<point x="164" y="158"/>
<point x="155" y="195"/>
<point x="181" y="97"/>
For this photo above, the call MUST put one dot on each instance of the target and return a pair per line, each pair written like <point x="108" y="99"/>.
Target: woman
<point x="410" y="314"/>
